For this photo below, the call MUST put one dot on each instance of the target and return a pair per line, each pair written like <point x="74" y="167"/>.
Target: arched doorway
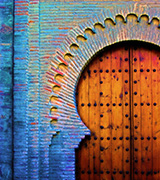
<point x="118" y="98"/>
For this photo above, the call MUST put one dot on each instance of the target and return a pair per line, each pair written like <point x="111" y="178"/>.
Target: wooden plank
<point x="94" y="119"/>
<point x="105" y="123"/>
<point x="117" y="129"/>
<point x="126" y="111"/>
<point x="111" y="106"/>
<point x="155" y="113"/>
<point x="136" y="116"/>
<point x="82" y="101"/>
<point x="146" y="118"/>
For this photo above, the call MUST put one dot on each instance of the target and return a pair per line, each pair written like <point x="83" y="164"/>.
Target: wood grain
<point x="121" y="95"/>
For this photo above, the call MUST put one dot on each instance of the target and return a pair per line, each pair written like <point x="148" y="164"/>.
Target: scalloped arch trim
<point x="81" y="44"/>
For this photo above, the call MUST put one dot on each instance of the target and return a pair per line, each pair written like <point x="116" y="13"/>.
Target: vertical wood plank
<point x="155" y="113"/>
<point x="146" y="118"/>
<point x="126" y="118"/>
<point x="82" y="102"/>
<point x="105" y="123"/>
<point x="94" y="118"/>
<point x="117" y="129"/>
<point x="136" y="116"/>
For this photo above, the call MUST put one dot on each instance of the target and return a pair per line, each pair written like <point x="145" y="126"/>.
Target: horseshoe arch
<point x="79" y="47"/>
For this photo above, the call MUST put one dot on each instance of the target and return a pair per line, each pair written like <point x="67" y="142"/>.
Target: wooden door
<point x="118" y="98"/>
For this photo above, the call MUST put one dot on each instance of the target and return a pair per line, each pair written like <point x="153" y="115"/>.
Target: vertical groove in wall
<point x="33" y="112"/>
<point x="21" y="48"/>
<point x="13" y="93"/>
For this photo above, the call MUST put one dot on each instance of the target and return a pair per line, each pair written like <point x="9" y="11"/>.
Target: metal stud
<point x="101" y="148"/>
<point x="101" y="93"/>
<point x="136" y="172"/>
<point x="84" y="77"/>
<point x="126" y="115"/>
<point x="142" y="172"/>
<point x="148" y="138"/>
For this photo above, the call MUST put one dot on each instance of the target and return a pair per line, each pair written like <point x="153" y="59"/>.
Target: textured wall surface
<point x="6" y="66"/>
<point x="41" y="149"/>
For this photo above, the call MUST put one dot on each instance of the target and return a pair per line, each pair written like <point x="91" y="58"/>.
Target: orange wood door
<point x="118" y="97"/>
